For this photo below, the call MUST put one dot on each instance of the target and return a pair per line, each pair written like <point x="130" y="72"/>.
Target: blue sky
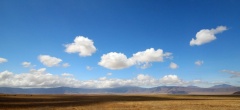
<point x="119" y="43"/>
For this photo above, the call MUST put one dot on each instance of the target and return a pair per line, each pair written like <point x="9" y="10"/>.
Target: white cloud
<point x="199" y="62"/>
<point x="168" y="55"/>
<point x="173" y="65"/>
<point x="5" y="75"/>
<point x="143" y="77"/>
<point x="36" y="78"/>
<point x="235" y="74"/>
<point x="39" y="71"/>
<point x="3" y="60"/>
<point x="65" y="65"/>
<point x="149" y="55"/>
<point x="115" y="60"/>
<point x="26" y="64"/>
<point x="102" y="78"/>
<point x="81" y="45"/>
<point x="49" y="60"/>
<point x="171" y="79"/>
<point x="206" y="35"/>
<point x="140" y="80"/>
<point x="89" y="68"/>
<point x="67" y="75"/>
<point x="145" y="80"/>
<point x="41" y="78"/>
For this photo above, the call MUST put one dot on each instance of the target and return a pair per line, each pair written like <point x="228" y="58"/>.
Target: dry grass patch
<point x="120" y="102"/>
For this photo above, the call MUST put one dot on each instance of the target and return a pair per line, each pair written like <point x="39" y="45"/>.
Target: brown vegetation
<point x="133" y="102"/>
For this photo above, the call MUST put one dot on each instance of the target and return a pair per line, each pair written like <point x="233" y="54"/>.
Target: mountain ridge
<point x="218" y="89"/>
<point x="222" y="86"/>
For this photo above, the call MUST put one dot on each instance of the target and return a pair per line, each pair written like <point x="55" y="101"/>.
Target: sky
<point x="113" y="43"/>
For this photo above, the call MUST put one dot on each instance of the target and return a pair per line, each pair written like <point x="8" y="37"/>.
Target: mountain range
<point x="217" y="89"/>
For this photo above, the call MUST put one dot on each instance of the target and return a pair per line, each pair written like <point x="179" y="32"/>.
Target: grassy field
<point x="119" y="102"/>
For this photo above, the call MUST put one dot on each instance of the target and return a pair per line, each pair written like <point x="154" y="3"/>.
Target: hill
<point x="237" y="93"/>
<point x="222" y="86"/>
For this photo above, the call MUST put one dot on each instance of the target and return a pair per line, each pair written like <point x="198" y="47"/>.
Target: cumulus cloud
<point x="5" y="75"/>
<point x="81" y="45"/>
<point x="41" y="78"/>
<point x="49" y="61"/>
<point x="199" y="62"/>
<point x="115" y="60"/>
<point x="142" y="77"/>
<point x="171" y="79"/>
<point x="173" y="65"/>
<point x="67" y="75"/>
<point x="26" y="64"/>
<point x="36" y="78"/>
<point x="233" y="73"/>
<point x="141" y="80"/>
<point x="102" y="78"/>
<point x="206" y="35"/>
<point x="168" y="55"/>
<point x="3" y="60"/>
<point x="149" y="55"/>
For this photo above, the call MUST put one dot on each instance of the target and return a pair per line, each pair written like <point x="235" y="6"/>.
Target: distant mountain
<point x="218" y="89"/>
<point x="236" y="93"/>
<point x="193" y="87"/>
<point x="222" y="86"/>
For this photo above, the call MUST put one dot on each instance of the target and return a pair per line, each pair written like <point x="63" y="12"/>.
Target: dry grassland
<point x="119" y="102"/>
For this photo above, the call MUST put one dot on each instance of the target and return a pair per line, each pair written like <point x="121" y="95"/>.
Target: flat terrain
<point x="119" y="102"/>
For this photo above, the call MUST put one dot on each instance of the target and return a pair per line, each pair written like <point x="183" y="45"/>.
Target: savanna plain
<point x="119" y="102"/>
